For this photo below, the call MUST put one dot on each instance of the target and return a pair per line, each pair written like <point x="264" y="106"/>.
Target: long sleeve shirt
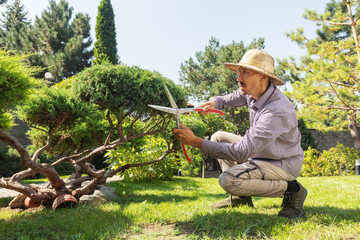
<point x="273" y="135"/>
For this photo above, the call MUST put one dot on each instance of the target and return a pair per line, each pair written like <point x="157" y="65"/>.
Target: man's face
<point x="249" y="81"/>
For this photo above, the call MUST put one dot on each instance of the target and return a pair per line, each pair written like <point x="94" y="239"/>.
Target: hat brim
<point x="235" y="67"/>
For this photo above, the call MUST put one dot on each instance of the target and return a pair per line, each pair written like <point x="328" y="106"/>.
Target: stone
<point x="101" y="195"/>
<point x="18" y="201"/>
<point x="108" y="192"/>
<point x="92" y="199"/>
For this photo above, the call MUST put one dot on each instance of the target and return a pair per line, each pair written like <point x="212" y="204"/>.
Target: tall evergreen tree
<point x="14" y="21"/>
<point x="105" y="45"/>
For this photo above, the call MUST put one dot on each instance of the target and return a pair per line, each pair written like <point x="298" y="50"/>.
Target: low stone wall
<point x="327" y="140"/>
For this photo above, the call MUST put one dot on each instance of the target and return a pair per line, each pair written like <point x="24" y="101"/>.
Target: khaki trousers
<point x="249" y="178"/>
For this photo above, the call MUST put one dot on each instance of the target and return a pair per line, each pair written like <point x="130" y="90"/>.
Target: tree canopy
<point x="16" y="83"/>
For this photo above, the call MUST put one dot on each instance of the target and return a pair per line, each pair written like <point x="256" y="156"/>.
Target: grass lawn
<point x="180" y="209"/>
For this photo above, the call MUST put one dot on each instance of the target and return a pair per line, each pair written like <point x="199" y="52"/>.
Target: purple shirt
<point x="273" y="136"/>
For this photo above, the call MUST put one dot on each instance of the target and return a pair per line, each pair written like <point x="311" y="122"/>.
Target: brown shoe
<point x="293" y="203"/>
<point x="233" y="201"/>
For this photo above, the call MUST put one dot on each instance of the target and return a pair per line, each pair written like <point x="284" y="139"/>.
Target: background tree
<point x="326" y="80"/>
<point x="13" y="21"/>
<point x="206" y="76"/>
<point x="60" y="43"/>
<point x="105" y="45"/>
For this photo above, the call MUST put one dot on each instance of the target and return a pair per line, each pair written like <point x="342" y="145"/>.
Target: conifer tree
<point x="326" y="80"/>
<point x="14" y="21"/>
<point x="105" y="45"/>
<point x="60" y="43"/>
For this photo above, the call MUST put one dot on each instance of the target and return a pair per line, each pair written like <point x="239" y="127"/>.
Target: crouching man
<point x="267" y="159"/>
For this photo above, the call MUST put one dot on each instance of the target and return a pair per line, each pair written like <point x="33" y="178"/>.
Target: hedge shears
<point x="179" y="111"/>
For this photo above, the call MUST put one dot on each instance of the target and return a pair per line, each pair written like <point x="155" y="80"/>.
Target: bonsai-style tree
<point x="99" y="109"/>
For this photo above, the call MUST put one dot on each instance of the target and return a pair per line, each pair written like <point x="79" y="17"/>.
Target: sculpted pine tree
<point x="326" y="81"/>
<point x="105" y="45"/>
<point x="99" y="109"/>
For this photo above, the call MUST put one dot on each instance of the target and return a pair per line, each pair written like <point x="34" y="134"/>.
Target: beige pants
<point x="250" y="179"/>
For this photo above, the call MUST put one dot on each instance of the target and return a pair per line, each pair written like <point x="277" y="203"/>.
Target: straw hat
<point x="258" y="60"/>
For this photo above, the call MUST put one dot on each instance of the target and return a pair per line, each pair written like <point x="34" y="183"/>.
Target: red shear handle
<point x="210" y="110"/>
<point x="185" y="153"/>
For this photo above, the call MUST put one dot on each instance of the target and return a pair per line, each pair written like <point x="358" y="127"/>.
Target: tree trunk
<point x="354" y="130"/>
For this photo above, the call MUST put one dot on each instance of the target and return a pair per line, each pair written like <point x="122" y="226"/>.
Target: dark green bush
<point x="10" y="162"/>
<point x="307" y="139"/>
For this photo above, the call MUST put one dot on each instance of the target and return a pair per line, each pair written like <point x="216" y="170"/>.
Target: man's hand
<point x="207" y="106"/>
<point x="186" y="136"/>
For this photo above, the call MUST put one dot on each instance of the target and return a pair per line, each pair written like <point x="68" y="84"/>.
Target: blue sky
<point x="161" y="34"/>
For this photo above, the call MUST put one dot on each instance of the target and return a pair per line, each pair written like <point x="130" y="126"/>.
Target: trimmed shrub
<point x="149" y="148"/>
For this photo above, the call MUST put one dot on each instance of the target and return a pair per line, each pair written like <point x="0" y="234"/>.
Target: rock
<point x="101" y="195"/>
<point x="108" y="192"/>
<point x="18" y="201"/>
<point x="92" y="199"/>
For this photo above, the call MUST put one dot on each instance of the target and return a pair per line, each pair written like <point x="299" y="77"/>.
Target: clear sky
<point x="161" y="34"/>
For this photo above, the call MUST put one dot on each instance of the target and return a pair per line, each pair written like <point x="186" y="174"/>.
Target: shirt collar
<point x="264" y="98"/>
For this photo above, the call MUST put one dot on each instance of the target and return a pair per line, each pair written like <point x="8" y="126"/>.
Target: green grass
<point x="180" y="209"/>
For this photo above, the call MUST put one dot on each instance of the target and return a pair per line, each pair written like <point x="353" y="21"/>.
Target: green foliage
<point x="124" y="90"/>
<point x="10" y="162"/>
<point x="149" y="149"/>
<point x="52" y="108"/>
<point x="215" y="122"/>
<point x="73" y="124"/>
<point x="16" y="83"/>
<point x="105" y="45"/>
<point x="337" y="161"/>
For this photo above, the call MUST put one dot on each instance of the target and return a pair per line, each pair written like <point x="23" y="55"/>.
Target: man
<point x="267" y="159"/>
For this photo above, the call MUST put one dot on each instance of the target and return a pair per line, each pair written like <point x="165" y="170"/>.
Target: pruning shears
<point x="179" y="111"/>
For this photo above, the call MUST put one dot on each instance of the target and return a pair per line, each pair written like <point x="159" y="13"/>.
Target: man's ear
<point x="264" y="77"/>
